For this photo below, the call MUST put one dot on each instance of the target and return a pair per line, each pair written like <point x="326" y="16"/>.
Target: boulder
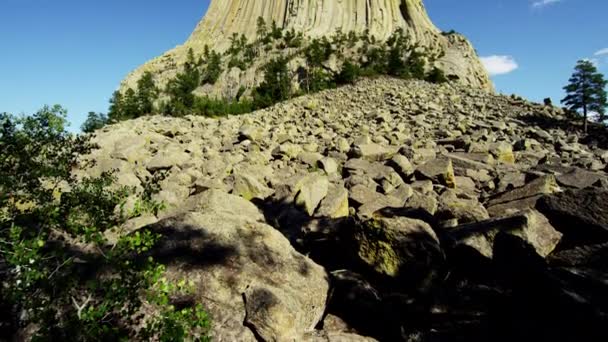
<point x="578" y="178"/>
<point x="249" y="187"/>
<point x="529" y="225"/>
<point x="373" y="152"/>
<point x="246" y="274"/>
<point x="335" y="204"/>
<point x="581" y="215"/>
<point x="311" y="190"/>
<point x="398" y="247"/>
<point x="402" y="165"/>
<point x="465" y="210"/>
<point x="438" y="170"/>
<point x="522" y="198"/>
<point x="167" y="159"/>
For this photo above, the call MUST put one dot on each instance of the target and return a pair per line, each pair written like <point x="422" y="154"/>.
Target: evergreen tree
<point x="276" y="86"/>
<point x="94" y="122"/>
<point x="115" y="112"/>
<point x="181" y="87"/>
<point x="147" y="93"/>
<point x="213" y="69"/>
<point x="586" y="91"/>
<point x="349" y="73"/>
<point x="275" y="31"/>
<point x="262" y="30"/>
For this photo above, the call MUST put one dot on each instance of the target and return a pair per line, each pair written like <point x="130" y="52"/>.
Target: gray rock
<point x="398" y="247"/>
<point x="373" y="152"/>
<point x="329" y="165"/>
<point x="311" y="190"/>
<point x="579" y="178"/>
<point x="439" y="170"/>
<point x="529" y="225"/>
<point x="402" y="165"/>
<point x="466" y="210"/>
<point x="249" y="187"/>
<point x="581" y="215"/>
<point x="524" y="197"/>
<point x="335" y="204"/>
<point x="231" y="255"/>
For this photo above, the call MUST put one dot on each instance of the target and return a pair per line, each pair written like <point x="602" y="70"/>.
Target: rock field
<point x="389" y="210"/>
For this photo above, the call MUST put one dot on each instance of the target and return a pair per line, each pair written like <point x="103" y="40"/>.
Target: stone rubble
<point x="449" y="179"/>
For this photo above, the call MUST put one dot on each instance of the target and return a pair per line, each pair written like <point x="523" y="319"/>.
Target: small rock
<point x="438" y="170"/>
<point x="311" y="190"/>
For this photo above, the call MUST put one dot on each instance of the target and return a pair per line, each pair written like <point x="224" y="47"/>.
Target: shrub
<point x="62" y="275"/>
<point x="94" y="122"/>
<point x="213" y="107"/>
<point x="436" y="75"/>
<point x="349" y="73"/>
<point x="276" y="85"/>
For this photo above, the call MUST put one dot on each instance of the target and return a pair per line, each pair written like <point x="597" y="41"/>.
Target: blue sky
<point x="75" y="52"/>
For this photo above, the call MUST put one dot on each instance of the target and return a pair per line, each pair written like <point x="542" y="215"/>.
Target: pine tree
<point x="276" y="86"/>
<point x="586" y="91"/>
<point x="115" y="111"/>
<point x="146" y="93"/>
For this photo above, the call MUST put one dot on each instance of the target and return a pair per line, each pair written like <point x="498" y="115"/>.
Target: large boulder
<point x="522" y="198"/>
<point x="438" y="170"/>
<point x="399" y="248"/>
<point x="531" y="226"/>
<point x="581" y="215"/>
<point x="246" y="274"/>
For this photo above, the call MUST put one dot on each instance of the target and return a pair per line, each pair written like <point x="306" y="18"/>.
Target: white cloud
<point x="499" y="65"/>
<point x="601" y="52"/>
<point x="544" y="3"/>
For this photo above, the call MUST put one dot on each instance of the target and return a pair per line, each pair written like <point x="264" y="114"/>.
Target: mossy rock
<point x="398" y="247"/>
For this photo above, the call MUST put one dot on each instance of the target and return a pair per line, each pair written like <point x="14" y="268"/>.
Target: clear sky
<point x="75" y="52"/>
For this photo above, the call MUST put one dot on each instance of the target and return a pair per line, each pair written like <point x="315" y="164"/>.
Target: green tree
<point x="72" y="283"/>
<point x="275" y="31"/>
<point x="213" y="69"/>
<point x="181" y="87"/>
<point x="115" y="112"/>
<point x="586" y="91"/>
<point x="94" y="122"/>
<point x="130" y="105"/>
<point x="349" y="73"/>
<point x="262" y="31"/>
<point x="147" y="93"/>
<point x="276" y="85"/>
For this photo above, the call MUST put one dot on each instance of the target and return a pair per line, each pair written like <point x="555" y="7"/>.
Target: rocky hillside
<point x="389" y="210"/>
<point x="314" y="19"/>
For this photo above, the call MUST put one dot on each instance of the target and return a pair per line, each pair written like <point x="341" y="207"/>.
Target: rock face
<point x="317" y="18"/>
<point x="390" y="210"/>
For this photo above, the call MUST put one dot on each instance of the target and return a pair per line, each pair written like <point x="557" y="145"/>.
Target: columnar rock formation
<point x="316" y="18"/>
<point x="313" y="17"/>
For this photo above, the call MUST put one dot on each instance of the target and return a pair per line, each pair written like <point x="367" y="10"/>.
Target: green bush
<point x="94" y="122"/>
<point x="61" y="275"/>
<point x="436" y="75"/>
<point x="349" y="73"/>
<point x="276" y="85"/>
<point x="213" y="107"/>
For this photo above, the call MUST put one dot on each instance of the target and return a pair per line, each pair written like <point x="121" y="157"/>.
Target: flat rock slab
<point x="581" y="215"/>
